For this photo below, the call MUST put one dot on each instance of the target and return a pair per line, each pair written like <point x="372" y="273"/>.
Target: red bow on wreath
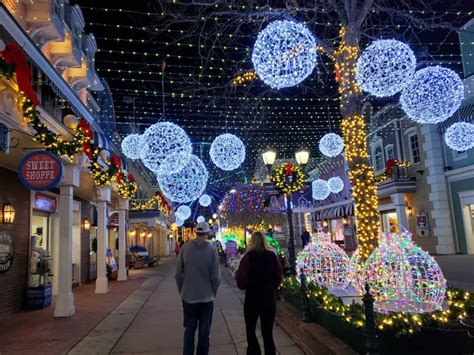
<point x="288" y="169"/>
<point x="389" y="165"/>
<point x="131" y="178"/>
<point x="116" y="160"/>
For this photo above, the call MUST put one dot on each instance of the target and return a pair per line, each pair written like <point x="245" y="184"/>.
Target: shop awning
<point x="335" y="212"/>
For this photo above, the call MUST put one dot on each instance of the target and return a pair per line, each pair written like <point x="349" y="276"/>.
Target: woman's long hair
<point x="258" y="242"/>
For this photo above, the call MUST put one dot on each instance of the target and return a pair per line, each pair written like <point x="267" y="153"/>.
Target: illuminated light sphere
<point x="433" y="95"/>
<point x="186" y="185"/>
<point x="324" y="263"/>
<point x="331" y="145"/>
<point x="227" y="152"/>
<point x="320" y="189"/>
<point x="385" y="67"/>
<point x="335" y="184"/>
<point x="200" y="219"/>
<point x="173" y="163"/>
<point x="284" y="54"/>
<point x="160" y="140"/>
<point x="179" y="221"/>
<point x="403" y="277"/>
<point x="460" y="136"/>
<point x="131" y="146"/>
<point x="205" y="200"/>
<point x="183" y="211"/>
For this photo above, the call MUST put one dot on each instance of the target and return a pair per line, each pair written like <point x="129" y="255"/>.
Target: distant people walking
<point x="198" y="277"/>
<point x="259" y="274"/>
<point x="305" y="237"/>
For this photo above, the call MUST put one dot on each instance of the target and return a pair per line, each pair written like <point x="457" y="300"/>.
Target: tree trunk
<point x="361" y="173"/>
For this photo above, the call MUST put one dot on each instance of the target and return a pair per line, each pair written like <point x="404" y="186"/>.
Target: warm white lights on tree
<point x="331" y="145"/>
<point x="320" y="189"/>
<point x="433" y="95"/>
<point x="160" y="140"/>
<point x="131" y="146"/>
<point x="227" y="152"/>
<point x="186" y="185"/>
<point x="460" y="136"/>
<point x="284" y="54"/>
<point x="335" y="184"/>
<point x="385" y="67"/>
<point x="205" y="200"/>
<point x="183" y="212"/>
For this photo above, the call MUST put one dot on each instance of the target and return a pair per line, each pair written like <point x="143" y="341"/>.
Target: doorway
<point x="389" y="221"/>
<point x="467" y="205"/>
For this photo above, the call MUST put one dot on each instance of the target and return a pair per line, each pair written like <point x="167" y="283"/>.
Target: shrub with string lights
<point x="227" y="152"/>
<point x="284" y="54"/>
<point x="460" y="136"/>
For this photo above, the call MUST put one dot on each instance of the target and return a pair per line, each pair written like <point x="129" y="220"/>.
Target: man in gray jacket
<point x="198" y="277"/>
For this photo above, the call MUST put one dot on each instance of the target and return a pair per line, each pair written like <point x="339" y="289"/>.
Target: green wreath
<point x="288" y="177"/>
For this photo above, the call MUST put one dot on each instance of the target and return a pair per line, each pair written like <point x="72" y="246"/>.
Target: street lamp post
<point x="302" y="157"/>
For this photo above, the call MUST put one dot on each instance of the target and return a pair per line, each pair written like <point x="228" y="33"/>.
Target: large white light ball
<point x="160" y="140"/>
<point x="183" y="211"/>
<point x="460" y="136"/>
<point x="200" y="219"/>
<point x="385" y="67"/>
<point x="227" y="152"/>
<point x="433" y="95"/>
<point x="331" y="145"/>
<point x="320" y="189"/>
<point x="284" y="54"/>
<point x="179" y="221"/>
<point x="131" y="146"/>
<point x="173" y="163"/>
<point x="205" y="200"/>
<point x="335" y="184"/>
<point x="186" y="185"/>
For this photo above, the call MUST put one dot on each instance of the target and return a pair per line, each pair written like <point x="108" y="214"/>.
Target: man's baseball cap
<point x="202" y="228"/>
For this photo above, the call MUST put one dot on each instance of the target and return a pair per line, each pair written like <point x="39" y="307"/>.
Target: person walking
<point x="198" y="278"/>
<point x="305" y="237"/>
<point x="259" y="274"/>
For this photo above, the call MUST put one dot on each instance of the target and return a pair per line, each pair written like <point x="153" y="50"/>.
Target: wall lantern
<point x="86" y="225"/>
<point x="410" y="211"/>
<point x="345" y="221"/>
<point x="8" y="213"/>
<point x="325" y="224"/>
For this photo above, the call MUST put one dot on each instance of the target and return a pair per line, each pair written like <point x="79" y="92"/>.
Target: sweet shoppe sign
<point x="40" y="170"/>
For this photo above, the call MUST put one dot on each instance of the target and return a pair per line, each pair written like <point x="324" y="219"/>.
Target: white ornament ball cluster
<point x="284" y="54"/>
<point x="132" y="145"/>
<point x="335" y="184"/>
<point x="186" y="185"/>
<point x="205" y="200"/>
<point x="227" y="152"/>
<point x="331" y="145"/>
<point x="324" y="263"/>
<point x="200" y="219"/>
<point x="385" y="67"/>
<point x="184" y="212"/>
<point x="160" y="140"/>
<point x="433" y="95"/>
<point x="460" y="136"/>
<point x="320" y="189"/>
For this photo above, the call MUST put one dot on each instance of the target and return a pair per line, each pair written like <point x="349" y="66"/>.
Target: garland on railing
<point x="389" y="166"/>
<point x="157" y="202"/>
<point x="13" y="61"/>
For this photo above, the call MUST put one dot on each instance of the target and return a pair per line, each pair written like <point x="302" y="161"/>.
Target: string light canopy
<point x="460" y="136"/>
<point x="385" y="67"/>
<point x="187" y="184"/>
<point x="200" y="219"/>
<point x="335" y="184"/>
<point x="433" y="96"/>
<point x="331" y="145"/>
<point x="205" y="200"/>
<point x="183" y="211"/>
<point x="227" y="152"/>
<point x="131" y="146"/>
<point x="320" y="189"/>
<point x="160" y="140"/>
<point x="284" y="54"/>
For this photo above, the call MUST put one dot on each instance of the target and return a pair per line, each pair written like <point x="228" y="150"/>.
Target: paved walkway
<point x="458" y="270"/>
<point x="150" y="321"/>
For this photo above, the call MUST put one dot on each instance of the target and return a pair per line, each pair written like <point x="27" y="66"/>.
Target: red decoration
<point x="130" y="177"/>
<point x="87" y="149"/>
<point x="338" y="75"/>
<point x="116" y="160"/>
<point x="389" y="165"/>
<point x="288" y="169"/>
<point x="86" y="128"/>
<point x="14" y="55"/>
<point x="118" y="177"/>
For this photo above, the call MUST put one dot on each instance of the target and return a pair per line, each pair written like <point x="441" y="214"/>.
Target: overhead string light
<point x="131" y="146"/>
<point x="460" y="136"/>
<point x="227" y="152"/>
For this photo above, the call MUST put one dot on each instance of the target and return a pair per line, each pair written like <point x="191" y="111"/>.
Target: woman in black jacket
<point x="259" y="274"/>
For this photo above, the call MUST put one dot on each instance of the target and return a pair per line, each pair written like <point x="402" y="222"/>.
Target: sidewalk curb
<point x="311" y="337"/>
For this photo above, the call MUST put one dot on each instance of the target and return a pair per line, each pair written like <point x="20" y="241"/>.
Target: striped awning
<point x="335" y="212"/>
<point x="101" y="141"/>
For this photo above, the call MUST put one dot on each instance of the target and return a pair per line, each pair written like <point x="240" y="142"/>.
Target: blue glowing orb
<point x="331" y="145"/>
<point x="385" y="67"/>
<point x="200" y="219"/>
<point x="131" y="146"/>
<point x="205" y="200"/>
<point x="320" y="189"/>
<point x="183" y="212"/>
<point x="179" y="221"/>
<point x="161" y="140"/>
<point x="186" y="185"/>
<point x="335" y="184"/>
<point x="433" y="96"/>
<point x="460" y="136"/>
<point x="284" y="54"/>
<point x="173" y="163"/>
<point x="227" y="152"/>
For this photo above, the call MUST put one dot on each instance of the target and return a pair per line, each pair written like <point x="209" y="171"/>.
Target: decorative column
<point x="400" y="207"/>
<point x="122" y="245"/>
<point x="434" y="163"/>
<point x="65" y="298"/>
<point x="103" y="198"/>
